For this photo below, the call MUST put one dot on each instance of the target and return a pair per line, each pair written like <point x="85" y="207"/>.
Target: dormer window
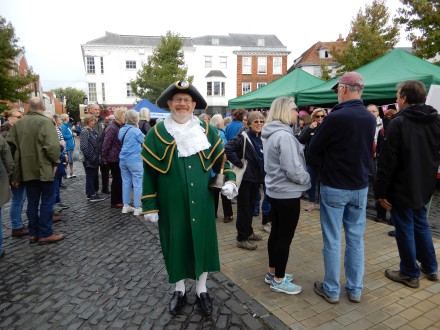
<point x="215" y="41"/>
<point x="260" y="42"/>
<point x="324" y="53"/>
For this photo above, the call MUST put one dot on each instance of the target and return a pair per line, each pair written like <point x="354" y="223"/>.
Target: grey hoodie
<point x="284" y="163"/>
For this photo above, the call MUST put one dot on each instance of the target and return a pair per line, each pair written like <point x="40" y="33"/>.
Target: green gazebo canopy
<point x="381" y="78"/>
<point x="287" y="85"/>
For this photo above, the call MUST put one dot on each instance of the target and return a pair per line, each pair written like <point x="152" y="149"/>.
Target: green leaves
<point x="371" y="36"/>
<point x="422" y="20"/>
<point x="13" y="86"/>
<point x="164" y="67"/>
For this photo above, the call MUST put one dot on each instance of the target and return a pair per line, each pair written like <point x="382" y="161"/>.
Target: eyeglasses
<point x="258" y="121"/>
<point x="179" y="100"/>
<point x="321" y="116"/>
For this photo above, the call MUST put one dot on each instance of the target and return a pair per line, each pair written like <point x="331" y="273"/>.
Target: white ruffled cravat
<point x="190" y="137"/>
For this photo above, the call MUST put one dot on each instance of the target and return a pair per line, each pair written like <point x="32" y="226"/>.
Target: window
<point x="103" y="91"/>
<point x="261" y="84"/>
<point x="102" y="64"/>
<point x="223" y="62"/>
<point x="260" y="42"/>
<point x="262" y="65"/>
<point x="90" y="64"/>
<point x="208" y="61"/>
<point x="247" y="65"/>
<point x="215" y="41"/>
<point x="130" y="92"/>
<point x="216" y="88"/>
<point x="129" y="64"/>
<point x="245" y="88"/>
<point x="92" y="92"/>
<point x="277" y="65"/>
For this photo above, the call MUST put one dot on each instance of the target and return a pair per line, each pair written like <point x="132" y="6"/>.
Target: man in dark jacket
<point x="99" y="128"/>
<point x="344" y="142"/>
<point x="406" y="180"/>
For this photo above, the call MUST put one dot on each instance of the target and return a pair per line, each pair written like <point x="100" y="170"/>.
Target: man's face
<point x="182" y="107"/>
<point x="401" y="101"/>
<point x="373" y="110"/>
<point x="94" y="110"/>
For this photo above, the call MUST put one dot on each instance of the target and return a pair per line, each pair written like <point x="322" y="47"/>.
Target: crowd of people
<point x="267" y="161"/>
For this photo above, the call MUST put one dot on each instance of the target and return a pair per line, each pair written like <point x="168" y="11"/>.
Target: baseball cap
<point x="350" y="78"/>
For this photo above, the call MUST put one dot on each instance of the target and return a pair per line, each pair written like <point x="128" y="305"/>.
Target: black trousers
<point x="105" y="171"/>
<point x="247" y="196"/>
<point x="284" y="214"/>
<point x="92" y="181"/>
<point x="116" y="194"/>
<point x="226" y="203"/>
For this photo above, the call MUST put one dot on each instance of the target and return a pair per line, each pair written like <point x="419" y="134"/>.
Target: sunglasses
<point x="258" y="121"/>
<point x="321" y="116"/>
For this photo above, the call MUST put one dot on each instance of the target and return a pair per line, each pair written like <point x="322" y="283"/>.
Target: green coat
<point x="35" y="147"/>
<point x="178" y="189"/>
<point x="6" y="167"/>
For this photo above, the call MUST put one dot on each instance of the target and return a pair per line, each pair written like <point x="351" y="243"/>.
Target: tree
<point x="164" y="67"/>
<point x="370" y="38"/>
<point x="74" y="97"/>
<point x="422" y="16"/>
<point x="325" y="71"/>
<point x="13" y="86"/>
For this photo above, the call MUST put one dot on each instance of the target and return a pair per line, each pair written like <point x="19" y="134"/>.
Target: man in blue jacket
<point x="406" y="180"/>
<point x="344" y="143"/>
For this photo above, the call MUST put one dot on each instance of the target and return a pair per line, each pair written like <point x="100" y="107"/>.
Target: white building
<point x="112" y="61"/>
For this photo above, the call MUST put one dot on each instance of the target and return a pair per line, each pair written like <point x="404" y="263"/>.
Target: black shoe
<point x="392" y="233"/>
<point x="107" y="192"/>
<point x="177" y="302"/>
<point x="429" y="276"/>
<point x="205" y="303"/>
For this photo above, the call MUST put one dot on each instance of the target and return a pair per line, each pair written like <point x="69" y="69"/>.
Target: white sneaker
<point x="267" y="227"/>
<point x="127" y="208"/>
<point x="137" y="211"/>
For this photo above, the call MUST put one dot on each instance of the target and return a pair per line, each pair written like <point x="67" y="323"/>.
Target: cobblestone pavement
<point x="108" y="273"/>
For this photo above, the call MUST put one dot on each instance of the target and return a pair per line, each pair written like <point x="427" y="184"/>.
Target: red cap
<point x="350" y="78"/>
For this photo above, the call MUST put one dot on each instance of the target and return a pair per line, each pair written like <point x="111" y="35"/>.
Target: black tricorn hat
<point x="181" y="87"/>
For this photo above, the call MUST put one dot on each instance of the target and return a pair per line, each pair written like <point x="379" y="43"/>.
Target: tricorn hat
<point x="181" y="87"/>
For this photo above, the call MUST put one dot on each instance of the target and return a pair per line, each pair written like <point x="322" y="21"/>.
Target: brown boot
<point x="23" y="231"/>
<point x="56" y="216"/>
<point x="228" y="219"/>
<point x="54" y="238"/>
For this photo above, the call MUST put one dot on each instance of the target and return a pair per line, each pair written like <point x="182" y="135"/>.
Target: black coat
<point x="234" y="152"/>
<point x="410" y="157"/>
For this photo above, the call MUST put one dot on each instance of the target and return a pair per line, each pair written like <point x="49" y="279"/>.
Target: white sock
<point x="180" y="286"/>
<point x="201" y="283"/>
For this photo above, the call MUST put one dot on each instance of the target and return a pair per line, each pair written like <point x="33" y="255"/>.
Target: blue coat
<point x="68" y="136"/>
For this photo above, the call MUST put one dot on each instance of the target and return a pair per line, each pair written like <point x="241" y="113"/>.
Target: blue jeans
<point x="131" y="174"/>
<point x="16" y="209"/>
<point x="40" y="224"/>
<point x="343" y="208"/>
<point x="313" y="170"/>
<point x="265" y="206"/>
<point x="414" y="241"/>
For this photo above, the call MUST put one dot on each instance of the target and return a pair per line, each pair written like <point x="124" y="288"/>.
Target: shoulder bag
<point x="239" y="172"/>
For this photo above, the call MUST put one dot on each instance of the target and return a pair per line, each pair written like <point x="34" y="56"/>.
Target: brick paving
<point x="109" y="274"/>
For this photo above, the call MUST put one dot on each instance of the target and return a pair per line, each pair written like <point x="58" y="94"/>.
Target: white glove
<point x="152" y="217"/>
<point x="229" y="190"/>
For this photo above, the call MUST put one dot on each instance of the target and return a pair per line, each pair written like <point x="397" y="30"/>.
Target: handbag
<point x="77" y="154"/>
<point x="239" y="172"/>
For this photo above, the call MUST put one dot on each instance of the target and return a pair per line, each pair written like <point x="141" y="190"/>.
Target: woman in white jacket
<point x="286" y="179"/>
